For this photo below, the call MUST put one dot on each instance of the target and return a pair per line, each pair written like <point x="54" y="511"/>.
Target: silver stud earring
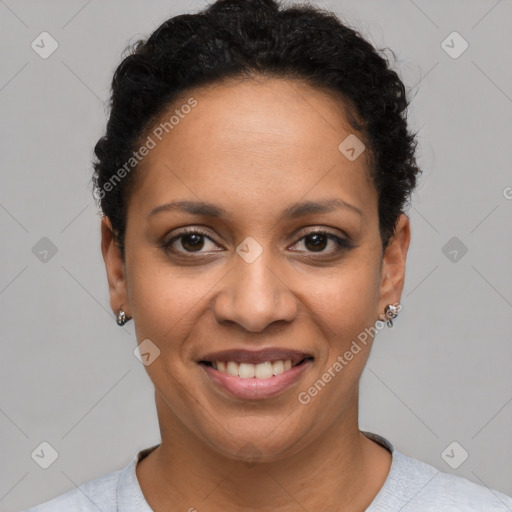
<point x="390" y="312"/>
<point x="121" y="318"/>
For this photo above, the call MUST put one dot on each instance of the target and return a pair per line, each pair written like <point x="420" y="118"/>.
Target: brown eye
<point x="192" y="242"/>
<point x="189" y="241"/>
<point x="318" y="241"/>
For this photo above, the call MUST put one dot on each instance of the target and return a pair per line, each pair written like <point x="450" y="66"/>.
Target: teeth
<point x="263" y="370"/>
<point x="232" y="368"/>
<point x="277" y="367"/>
<point x="247" y="370"/>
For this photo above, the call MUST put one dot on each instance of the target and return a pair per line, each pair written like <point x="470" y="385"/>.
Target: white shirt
<point x="411" y="486"/>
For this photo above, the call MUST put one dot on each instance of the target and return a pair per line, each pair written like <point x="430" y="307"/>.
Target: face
<point x="283" y="264"/>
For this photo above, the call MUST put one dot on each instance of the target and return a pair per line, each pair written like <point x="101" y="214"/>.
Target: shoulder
<point x="94" y="495"/>
<point x="415" y="486"/>
<point x="425" y="488"/>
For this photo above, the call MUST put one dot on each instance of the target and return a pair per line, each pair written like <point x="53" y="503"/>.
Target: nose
<point x="255" y="295"/>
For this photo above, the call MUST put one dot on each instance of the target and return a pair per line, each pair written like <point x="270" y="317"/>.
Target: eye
<point x="317" y="241"/>
<point x="189" y="241"/>
<point x="195" y="240"/>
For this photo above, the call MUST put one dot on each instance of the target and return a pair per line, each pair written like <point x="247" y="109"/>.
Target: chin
<point x="257" y="441"/>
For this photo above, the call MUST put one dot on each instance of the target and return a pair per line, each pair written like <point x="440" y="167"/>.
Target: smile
<point x="265" y="370"/>
<point x="255" y="381"/>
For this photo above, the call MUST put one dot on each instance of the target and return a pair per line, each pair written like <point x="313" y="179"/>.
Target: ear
<point x="393" y="265"/>
<point x="115" y="268"/>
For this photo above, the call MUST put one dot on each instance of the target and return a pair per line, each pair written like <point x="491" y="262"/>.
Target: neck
<point x="341" y="469"/>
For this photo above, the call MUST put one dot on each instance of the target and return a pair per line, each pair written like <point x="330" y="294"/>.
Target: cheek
<point x="345" y="310"/>
<point x="161" y="296"/>
<point x="346" y="302"/>
<point x="167" y="303"/>
<point x="163" y="311"/>
<point x="344" y="319"/>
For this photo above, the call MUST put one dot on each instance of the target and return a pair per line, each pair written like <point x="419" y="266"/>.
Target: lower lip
<point x="257" y="389"/>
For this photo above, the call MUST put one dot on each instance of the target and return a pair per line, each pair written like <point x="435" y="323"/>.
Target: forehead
<point x="251" y="137"/>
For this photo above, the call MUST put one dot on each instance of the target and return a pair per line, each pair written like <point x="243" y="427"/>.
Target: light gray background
<point x="68" y="374"/>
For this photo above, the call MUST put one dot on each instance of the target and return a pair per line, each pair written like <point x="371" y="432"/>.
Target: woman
<point x="253" y="178"/>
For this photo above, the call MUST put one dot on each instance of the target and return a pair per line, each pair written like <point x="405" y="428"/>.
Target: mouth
<point x="255" y="374"/>
<point x="265" y="370"/>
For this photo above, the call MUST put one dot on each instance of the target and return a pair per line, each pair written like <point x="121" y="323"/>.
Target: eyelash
<point x="341" y="243"/>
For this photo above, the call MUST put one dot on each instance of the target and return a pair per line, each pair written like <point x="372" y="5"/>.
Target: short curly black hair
<point x="250" y="38"/>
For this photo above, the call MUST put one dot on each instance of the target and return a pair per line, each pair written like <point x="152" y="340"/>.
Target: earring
<point x="390" y="312"/>
<point x="121" y="318"/>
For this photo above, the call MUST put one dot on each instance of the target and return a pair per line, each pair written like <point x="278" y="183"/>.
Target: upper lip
<point x="257" y="356"/>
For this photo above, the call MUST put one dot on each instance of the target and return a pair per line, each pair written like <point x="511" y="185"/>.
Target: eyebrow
<point x="292" y="212"/>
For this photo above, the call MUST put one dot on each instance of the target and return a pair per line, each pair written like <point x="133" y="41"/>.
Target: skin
<point x="255" y="148"/>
